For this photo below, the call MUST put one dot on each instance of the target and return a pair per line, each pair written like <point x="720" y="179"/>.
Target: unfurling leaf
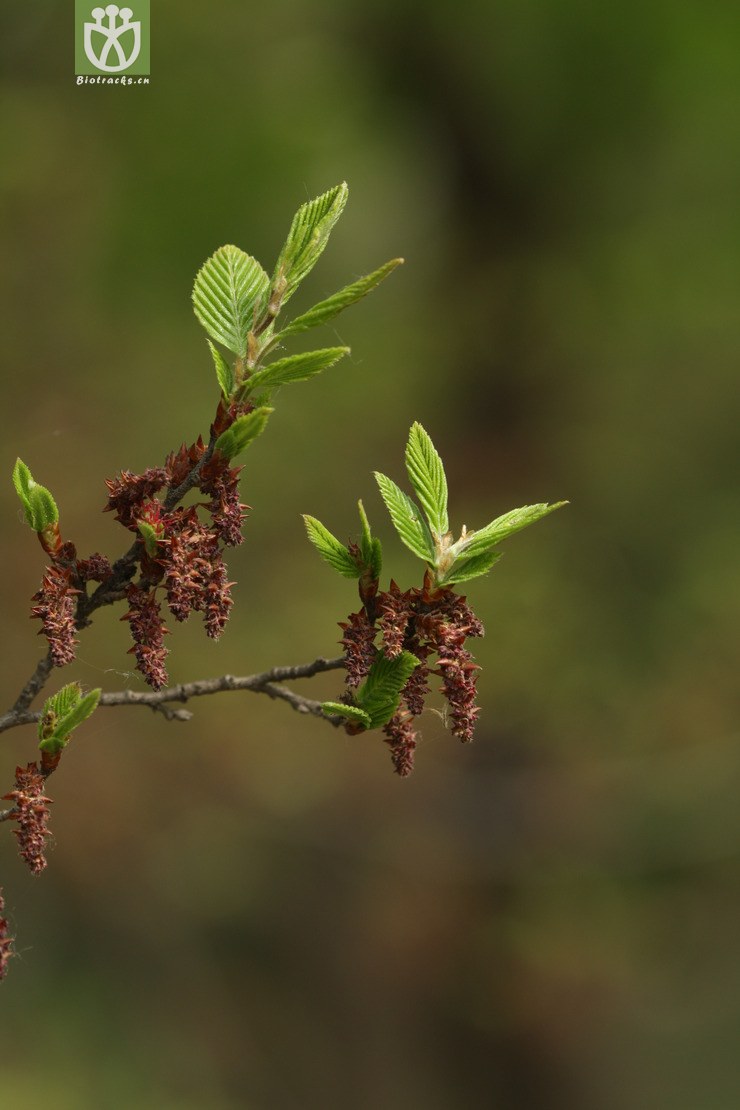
<point x="465" y="569"/>
<point x="224" y="373"/>
<point x="295" y="368"/>
<point x="326" y="310"/>
<point x="63" y="712"/>
<point x="351" y="712"/>
<point x="407" y="520"/>
<point x="242" y="432"/>
<point x="230" y="290"/>
<point x="380" y="694"/>
<point x="486" y="538"/>
<point x="308" y="235"/>
<point x="330" y="549"/>
<point x="427" y="476"/>
<point x="39" y="507"/>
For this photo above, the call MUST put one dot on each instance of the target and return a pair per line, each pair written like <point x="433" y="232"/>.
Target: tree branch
<point x="267" y="682"/>
<point x="35" y="684"/>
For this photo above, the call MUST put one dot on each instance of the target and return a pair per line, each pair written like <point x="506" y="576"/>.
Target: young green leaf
<point x="242" y="432"/>
<point x="85" y="707"/>
<point x="351" y="712"/>
<point x="295" y="368"/>
<point x="465" y="569"/>
<point x="427" y="476"/>
<point x="39" y="507"/>
<point x="486" y="538"/>
<point x="230" y="287"/>
<point x="59" y="704"/>
<point x="372" y="552"/>
<point x="308" y="235"/>
<point x="330" y="549"/>
<point x="407" y="520"/>
<point x="224" y="373"/>
<point x="63" y="712"/>
<point x="23" y="481"/>
<point x="326" y="310"/>
<point x="43" y="508"/>
<point x="379" y="695"/>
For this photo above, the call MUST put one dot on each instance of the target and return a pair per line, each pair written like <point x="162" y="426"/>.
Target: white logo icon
<point x="107" y="37"/>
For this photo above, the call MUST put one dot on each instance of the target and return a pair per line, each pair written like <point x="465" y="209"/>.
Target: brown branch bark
<point x="267" y="682"/>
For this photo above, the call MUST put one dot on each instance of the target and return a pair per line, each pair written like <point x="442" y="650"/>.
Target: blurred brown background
<point x="251" y="910"/>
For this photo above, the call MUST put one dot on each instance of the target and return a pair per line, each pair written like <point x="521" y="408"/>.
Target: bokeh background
<point x="250" y="910"/>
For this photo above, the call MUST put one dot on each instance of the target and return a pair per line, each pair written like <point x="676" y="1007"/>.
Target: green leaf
<point x="308" y="235"/>
<point x="43" y="508"/>
<point x="427" y="476"/>
<point x="351" y="712"/>
<point x="242" y="432"/>
<point x="295" y="368"/>
<point x="463" y="570"/>
<point x="330" y="549"/>
<point x="39" y="507"/>
<point x="23" y="481"/>
<point x="224" y="373"/>
<point x="326" y="310"/>
<point x="486" y="538"/>
<point x="63" y="712"/>
<point x="407" y="520"/>
<point x="59" y="704"/>
<point x="380" y="693"/>
<point x="79" y="713"/>
<point x="372" y="552"/>
<point x="228" y="290"/>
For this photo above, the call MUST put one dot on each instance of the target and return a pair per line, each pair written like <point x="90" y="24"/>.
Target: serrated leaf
<point x="486" y="538"/>
<point x="71" y="709"/>
<point x="39" y="507"/>
<point x="224" y="373"/>
<point x="228" y="288"/>
<point x="330" y="549"/>
<point x="23" y="481"/>
<point x="427" y="476"/>
<point x="44" y="511"/>
<point x="380" y="694"/>
<point x="407" y="520"/>
<point x="351" y="712"/>
<point x="307" y="238"/>
<point x="326" y="310"/>
<point x="242" y="432"/>
<point x="85" y="707"/>
<point x="295" y="368"/>
<point x="465" y="569"/>
<point x="60" y="703"/>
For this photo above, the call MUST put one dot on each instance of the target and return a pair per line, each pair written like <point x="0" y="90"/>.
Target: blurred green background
<point x="251" y="910"/>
